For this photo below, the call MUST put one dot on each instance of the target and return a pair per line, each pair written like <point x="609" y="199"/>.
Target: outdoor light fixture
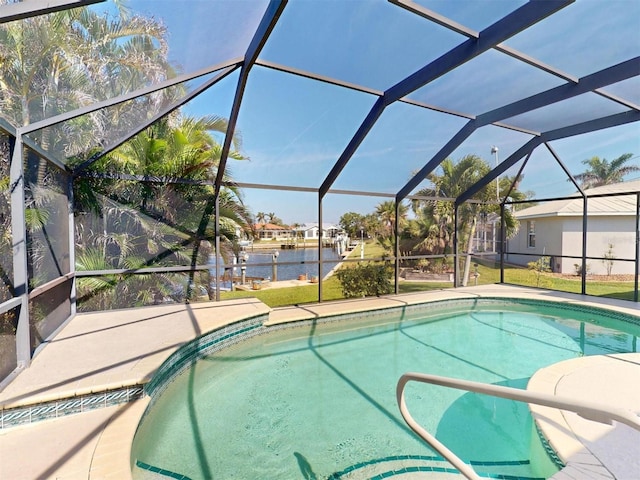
<point x="494" y="151"/>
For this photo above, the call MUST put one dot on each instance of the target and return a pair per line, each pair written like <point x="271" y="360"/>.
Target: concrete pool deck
<point x="105" y="350"/>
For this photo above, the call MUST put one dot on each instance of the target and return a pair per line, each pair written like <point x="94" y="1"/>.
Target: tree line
<point x="430" y="227"/>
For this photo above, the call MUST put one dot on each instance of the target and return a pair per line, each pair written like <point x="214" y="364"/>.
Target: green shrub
<point x="540" y="266"/>
<point x="578" y="268"/>
<point x="366" y="280"/>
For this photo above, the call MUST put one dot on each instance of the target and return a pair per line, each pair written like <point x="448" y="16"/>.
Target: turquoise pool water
<point x="318" y="401"/>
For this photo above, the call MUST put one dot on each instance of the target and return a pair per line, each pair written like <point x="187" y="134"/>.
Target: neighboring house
<point x="271" y="231"/>
<point x="311" y="231"/>
<point x="555" y="229"/>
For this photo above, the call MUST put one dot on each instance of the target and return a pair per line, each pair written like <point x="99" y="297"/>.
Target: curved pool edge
<point x="318" y="310"/>
<point x="112" y="454"/>
<point x="123" y="440"/>
<point x="591" y="450"/>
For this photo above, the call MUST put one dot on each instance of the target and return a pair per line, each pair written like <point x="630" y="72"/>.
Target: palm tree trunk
<point x="467" y="263"/>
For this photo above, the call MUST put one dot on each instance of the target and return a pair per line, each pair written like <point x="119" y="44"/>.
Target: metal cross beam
<point x="22" y="10"/>
<point x="165" y="111"/>
<point x="602" y="78"/>
<point x="607" y="76"/>
<point x="564" y="132"/>
<point x="513" y="23"/>
<point x="267" y="24"/>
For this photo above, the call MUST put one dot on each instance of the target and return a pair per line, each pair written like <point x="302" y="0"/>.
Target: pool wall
<point x="206" y="344"/>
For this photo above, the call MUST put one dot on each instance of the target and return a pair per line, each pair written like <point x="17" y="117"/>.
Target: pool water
<point x="318" y="401"/>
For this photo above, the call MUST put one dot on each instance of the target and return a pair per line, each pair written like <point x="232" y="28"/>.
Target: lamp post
<point x="361" y="243"/>
<point x="274" y="265"/>
<point x="494" y="151"/>
<point x="244" y="257"/>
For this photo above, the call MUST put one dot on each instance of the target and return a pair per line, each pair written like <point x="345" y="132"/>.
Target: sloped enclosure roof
<point x="360" y="95"/>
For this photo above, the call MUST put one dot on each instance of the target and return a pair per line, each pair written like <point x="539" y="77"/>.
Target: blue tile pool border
<point x="24" y="415"/>
<point x="188" y="354"/>
<point x="239" y="331"/>
<point x="431" y="463"/>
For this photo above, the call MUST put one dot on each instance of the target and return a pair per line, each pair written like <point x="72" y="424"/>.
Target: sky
<point x="294" y="129"/>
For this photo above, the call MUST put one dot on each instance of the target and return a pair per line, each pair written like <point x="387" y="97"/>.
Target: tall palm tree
<point x="602" y="172"/>
<point x="65" y="60"/>
<point x="455" y="179"/>
<point x="297" y="232"/>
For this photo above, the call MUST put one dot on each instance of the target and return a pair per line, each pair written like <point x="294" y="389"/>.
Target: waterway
<point x="290" y="263"/>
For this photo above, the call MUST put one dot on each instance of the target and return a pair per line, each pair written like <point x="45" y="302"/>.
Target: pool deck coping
<point x="129" y="345"/>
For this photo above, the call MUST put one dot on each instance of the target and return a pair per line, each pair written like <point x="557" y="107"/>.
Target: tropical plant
<point x="156" y="222"/>
<point x="65" y="60"/>
<point x="435" y="217"/>
<point x="297" y="231"/>
<point x="385" y="223"/>
<point x="386" y="213"/>
<point x="62" y="61"/>
<point x="602" y="172"/>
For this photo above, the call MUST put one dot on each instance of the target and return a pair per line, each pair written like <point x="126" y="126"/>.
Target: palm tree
<point x="296" y="231"/>
<point x="261" y="217"/>
<point x="386" y="222"/>
<point x="438" y="215"/>
<point x="602" y="172"/>
<point x="386" y="212"/>
<point x="65" y="60"/>
<point x="154" y="222"/>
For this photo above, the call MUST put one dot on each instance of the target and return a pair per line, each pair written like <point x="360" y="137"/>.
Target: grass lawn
<point x="280" y="297"/>
<point x="488" y="274"/>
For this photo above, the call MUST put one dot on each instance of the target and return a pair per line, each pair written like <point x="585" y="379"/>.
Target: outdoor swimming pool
<point x="318" y="400"/>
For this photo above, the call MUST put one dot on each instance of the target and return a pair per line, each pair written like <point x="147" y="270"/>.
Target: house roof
<point x="599" y="206"/>
<point x="311" y="225"/>
<point x="271" y="226"/>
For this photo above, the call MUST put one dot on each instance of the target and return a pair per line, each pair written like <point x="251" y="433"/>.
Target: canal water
<point x="289" y="265"/>
<point x="301" y="263"/>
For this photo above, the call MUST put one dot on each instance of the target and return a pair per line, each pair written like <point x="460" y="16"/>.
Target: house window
<point x="531" y="233"/>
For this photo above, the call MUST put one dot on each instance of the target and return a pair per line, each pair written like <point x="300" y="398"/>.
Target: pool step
<point x="408" y="467"/>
